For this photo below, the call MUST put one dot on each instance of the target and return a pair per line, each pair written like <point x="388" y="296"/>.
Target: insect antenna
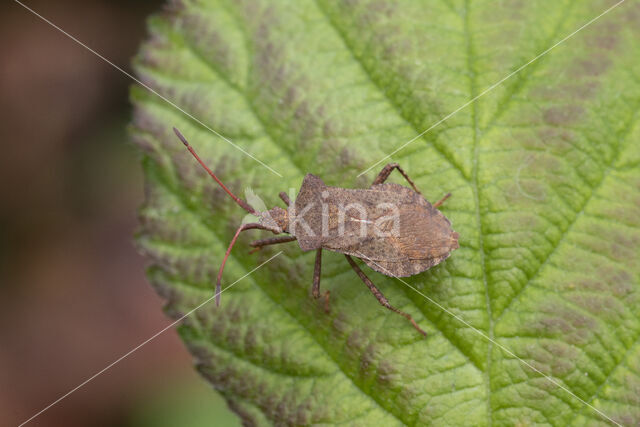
<point x="240" y="229"/>
<point x="244" y="205"/>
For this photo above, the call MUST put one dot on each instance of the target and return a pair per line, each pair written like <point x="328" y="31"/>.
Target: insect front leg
<point x="315" y="290"/>
<point x="258" y="244"/>
<point x="285" y="198"/>
<point x="386" y="171"/>
<point x="381" y="298"/>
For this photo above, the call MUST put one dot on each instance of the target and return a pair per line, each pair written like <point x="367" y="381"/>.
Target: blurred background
<point x="73" y="295"/>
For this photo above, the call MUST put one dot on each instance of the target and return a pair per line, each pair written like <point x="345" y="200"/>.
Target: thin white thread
<point x="494" y="342"/>
<point x="133" y="350"/>
<point x="147" y="87"/>
<point x="490" y="88"/>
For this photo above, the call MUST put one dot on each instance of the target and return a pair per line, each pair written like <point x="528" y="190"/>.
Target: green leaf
<point x="544" y="171"/>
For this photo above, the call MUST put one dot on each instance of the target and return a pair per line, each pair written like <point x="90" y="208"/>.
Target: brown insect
<point x="392" y="228"/>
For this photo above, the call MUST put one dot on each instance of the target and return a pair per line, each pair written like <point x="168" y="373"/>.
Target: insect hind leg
<point x="381" y="298"/>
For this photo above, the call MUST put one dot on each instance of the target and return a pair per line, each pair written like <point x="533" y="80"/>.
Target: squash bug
<point x="391" y="228"/>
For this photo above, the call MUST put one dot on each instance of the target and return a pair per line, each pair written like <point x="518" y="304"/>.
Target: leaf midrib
<point x="471" y="72"/>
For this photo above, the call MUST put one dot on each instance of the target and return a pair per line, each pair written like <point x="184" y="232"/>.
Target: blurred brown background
<point x="73" y="295"/>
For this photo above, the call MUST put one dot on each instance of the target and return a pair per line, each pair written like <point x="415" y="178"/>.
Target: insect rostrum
<point x="392" y="228"/>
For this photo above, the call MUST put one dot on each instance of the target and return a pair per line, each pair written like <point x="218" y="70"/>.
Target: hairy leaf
<point x="544" y="171"/>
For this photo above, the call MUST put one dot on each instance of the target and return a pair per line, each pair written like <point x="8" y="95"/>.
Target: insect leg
<point x="386" y="171"/>
<point x="381" y="298"/>
<point x="441" y="201"/>
<point x="258" y="244"/>
<point x="285" y="198"/>
<point x="315" y="290"/>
